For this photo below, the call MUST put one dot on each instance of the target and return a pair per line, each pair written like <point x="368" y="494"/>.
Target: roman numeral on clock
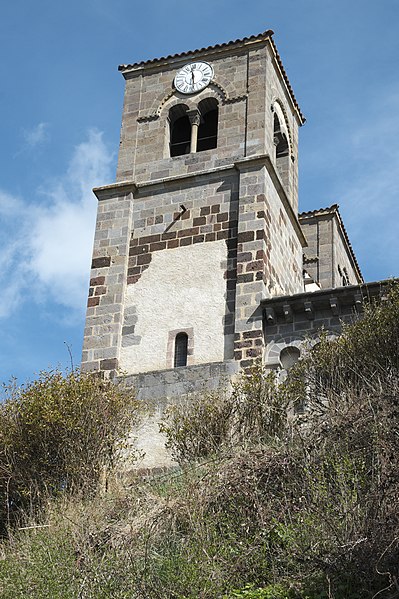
<point x="193" y="77"/>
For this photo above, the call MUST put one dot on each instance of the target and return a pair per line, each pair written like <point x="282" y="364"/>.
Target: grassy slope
<point x="263" y="508"/>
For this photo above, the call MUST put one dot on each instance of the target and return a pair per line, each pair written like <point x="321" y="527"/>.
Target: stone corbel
<point x="334" y="305"/>
<point x="309" y="311"/>
<point x="270" y="316"/>
<point x="287" y="313"/>
<point x="309" y="259"/>
<point x="358" y="300"/>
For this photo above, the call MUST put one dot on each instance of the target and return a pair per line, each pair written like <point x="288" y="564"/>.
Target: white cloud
<point x="9" y="205"/>
<point x="47" y="246"/>
<point x="36" y="135"/>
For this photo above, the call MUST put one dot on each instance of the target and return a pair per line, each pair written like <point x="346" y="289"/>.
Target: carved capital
<point x="194" y="116"/>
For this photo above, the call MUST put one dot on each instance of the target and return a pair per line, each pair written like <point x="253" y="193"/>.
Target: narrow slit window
<point x="181" y="350"/>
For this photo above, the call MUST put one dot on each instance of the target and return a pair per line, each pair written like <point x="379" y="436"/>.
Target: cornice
<point x="107" y="191"/>
<point x="250" y="162"/>
<point x="209" y="50"/>
<point x="285" y="308"/>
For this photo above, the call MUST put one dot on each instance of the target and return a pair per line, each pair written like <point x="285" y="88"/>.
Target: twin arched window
<point x="193" y="130"/>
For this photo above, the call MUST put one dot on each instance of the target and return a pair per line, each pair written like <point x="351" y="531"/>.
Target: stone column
<point x="195" y="119"/>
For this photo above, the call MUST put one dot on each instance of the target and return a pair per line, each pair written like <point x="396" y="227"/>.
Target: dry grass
<point x="305" y="508"/>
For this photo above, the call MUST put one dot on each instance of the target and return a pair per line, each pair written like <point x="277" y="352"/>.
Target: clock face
<point x="193" y="77"/>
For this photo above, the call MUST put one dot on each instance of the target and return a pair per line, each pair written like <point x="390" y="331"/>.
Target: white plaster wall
<point x="182" y="288"/>
<point x="148" y="444"/>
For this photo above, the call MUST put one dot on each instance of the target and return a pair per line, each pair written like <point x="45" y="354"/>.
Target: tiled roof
<point x="319" y="211"/>
<point x="334" y="209"/>
<point x="265" y="35"/>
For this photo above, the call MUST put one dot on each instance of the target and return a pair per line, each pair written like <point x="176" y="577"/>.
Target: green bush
<point x="70" y="558"/>
<point x="366" y="352"/>
<point x="198" y="428"/>
<point x="42" y="566"/>
<point x="57" y="434"/>
<point x="254" y="412"/>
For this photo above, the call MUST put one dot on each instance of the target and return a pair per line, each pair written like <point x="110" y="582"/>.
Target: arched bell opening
<point x="282" y="151"/>
<point x="179" y="130"/>
<point x="208" y="128"/>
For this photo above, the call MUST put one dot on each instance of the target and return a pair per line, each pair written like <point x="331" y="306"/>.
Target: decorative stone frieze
<point x="324" y="310"/>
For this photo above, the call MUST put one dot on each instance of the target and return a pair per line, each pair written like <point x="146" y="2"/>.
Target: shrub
<point x="198" y="428"/>
<point x="305" y="509"/>
<point x="78" y="553"/>
<point x="255" y="411"/>
<point x="57" y="433"/>
<point x="367" y="351"/>
<point x="312" y="499"/>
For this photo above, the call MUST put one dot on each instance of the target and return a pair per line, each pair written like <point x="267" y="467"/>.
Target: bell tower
<point x="201" y="225"/>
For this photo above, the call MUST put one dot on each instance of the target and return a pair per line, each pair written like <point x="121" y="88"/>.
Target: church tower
<point x="201" y="225"/>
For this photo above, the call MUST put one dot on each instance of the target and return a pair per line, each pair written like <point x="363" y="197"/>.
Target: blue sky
<point x="61" y="99"/>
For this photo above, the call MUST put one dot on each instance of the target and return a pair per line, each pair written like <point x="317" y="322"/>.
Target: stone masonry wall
<point x="302" y="330"/>
<point x="246" y="84"/>
<point x="103" y="330"/>
<point x="254" y="252"/>
<point x="343" y="260"/>
<point x="269" y="255"/>
<point x="157" y="390"/>
<point x="298" y="321"/>
<point x="319" y="253"/>
<point x="276" y="93"/>
<point x="181" y="271"/>
<point x="328" y="256"/>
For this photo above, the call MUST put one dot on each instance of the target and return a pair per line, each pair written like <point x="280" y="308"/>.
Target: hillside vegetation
<point x="284" y="492"/>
